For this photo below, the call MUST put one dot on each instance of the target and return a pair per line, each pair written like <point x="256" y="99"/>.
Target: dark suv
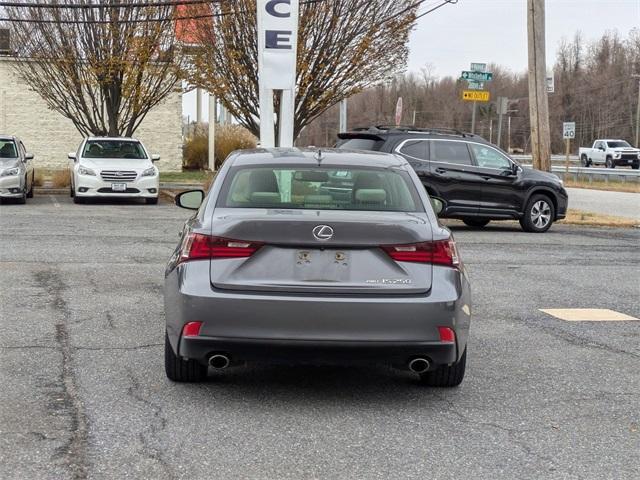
<point x="476" y="181"/>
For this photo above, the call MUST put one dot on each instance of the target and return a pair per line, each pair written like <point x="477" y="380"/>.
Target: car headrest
<point x="371" y="195"/>
<point x="265" y="198"/>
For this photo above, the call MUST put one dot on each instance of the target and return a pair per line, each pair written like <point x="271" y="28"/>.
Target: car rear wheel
<point x="476" y="222"/>
<point x="584" y="160"/>
<point x="179" y="369"/>
<point x="446" y="375"/>
<point x="538" y="215"/>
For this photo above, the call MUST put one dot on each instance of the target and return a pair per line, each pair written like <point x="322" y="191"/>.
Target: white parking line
<point x="55" y="202"/>
<point x="588" y="314"/>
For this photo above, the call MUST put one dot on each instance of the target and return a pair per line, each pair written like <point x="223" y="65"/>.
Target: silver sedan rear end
<point x="331" y="257"/>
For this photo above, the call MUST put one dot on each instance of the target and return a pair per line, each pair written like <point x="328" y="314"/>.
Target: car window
<point x="618" y="144"/>
<point x="415" y="149"/>
<point x="361" y="144"/>
<point x="451" y="152"/>
<point x="320" y="188"/>
<point x="8" y="149"/>
<point x="488" y="157"/>
<point x="598" y="145"/>
<point x="113" y="149"/>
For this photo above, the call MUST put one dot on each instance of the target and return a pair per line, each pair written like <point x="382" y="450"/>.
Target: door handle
<point x="441" y="171"/>
<point x="486" y="177"/>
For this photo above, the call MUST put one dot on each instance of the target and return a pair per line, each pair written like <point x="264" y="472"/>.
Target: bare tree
<point x="104" y="68"/>
<point x="344" y="46"/>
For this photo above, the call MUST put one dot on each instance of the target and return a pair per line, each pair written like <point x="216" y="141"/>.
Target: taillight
<point x="191" y="329"/>
<point x="197" y="246"/>
<point x="447" y="334"/>
<point x="440" y="252"/>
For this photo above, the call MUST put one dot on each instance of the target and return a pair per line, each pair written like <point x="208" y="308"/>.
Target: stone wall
<point x="50" y="136"/>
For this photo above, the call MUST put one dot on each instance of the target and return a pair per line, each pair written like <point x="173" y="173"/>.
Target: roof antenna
<point x="319" y="157"/>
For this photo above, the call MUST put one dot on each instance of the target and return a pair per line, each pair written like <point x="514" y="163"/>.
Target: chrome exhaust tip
<point x="219" y="361"/>
<point x="419" y="365"/>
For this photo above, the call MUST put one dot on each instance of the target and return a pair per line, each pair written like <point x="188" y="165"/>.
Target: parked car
<point x="274" y="267"/>
<point x="476" y="181"/>
<point x="113" y="167"/>
<point x="610" y="153"/>
<point x="17" y="174"/>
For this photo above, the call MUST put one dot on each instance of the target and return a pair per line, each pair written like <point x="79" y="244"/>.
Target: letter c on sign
<point x="271" y="8"/>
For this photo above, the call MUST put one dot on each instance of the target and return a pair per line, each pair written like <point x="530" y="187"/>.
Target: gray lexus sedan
<point x="309" y="256"/>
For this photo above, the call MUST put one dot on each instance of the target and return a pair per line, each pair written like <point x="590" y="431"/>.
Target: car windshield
<point x="360" y="144"/>
<point x="8" y="149"/>
<point x="618" y="144"/>
<point x="113" y="149"/>
<point x="320" y="188"/>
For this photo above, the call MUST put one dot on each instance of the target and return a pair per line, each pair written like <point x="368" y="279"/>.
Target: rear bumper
<point x="316" y="327"/>
<point x="317" y="352"/>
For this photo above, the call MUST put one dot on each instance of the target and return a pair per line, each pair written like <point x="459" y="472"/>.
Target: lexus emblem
<point x="323" y="233"/>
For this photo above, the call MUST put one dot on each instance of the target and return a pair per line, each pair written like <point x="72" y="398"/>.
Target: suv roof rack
<point x="411" y="128"/>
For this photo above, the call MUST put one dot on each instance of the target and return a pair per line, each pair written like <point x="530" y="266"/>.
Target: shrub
<point x="195" y="155"/>
<point x="38" y="181"/>
<point x="60" y="178"/>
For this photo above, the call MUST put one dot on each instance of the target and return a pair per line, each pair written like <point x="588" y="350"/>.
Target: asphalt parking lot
<point x="84" y="393"/>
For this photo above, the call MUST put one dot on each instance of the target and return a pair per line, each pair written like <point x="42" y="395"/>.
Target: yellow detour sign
<point x="475" y="96"/>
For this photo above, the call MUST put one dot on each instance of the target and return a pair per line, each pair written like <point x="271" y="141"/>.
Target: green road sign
<point x="478" y="67"/>
<point x="473" y="85"/>
<point x="477" y="76"/>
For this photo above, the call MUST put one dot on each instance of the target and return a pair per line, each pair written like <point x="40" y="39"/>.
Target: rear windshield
<point x="360" y="144"/>
<point x="113" y="149"/>
<point x="8" y="149"/>
<point x="320" y="188"/>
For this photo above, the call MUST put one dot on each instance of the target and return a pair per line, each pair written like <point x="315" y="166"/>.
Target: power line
<point x="452" y="2"/>
<point x="160" y="3"/>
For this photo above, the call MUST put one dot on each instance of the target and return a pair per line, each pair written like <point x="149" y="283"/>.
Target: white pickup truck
<point x="611" y="153"/>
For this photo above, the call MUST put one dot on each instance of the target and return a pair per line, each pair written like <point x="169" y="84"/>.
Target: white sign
<point x="569" y="130"/>
<point x="277" y="52"/>
<point x="551" y="84"/>
<point x="478" y="67"/>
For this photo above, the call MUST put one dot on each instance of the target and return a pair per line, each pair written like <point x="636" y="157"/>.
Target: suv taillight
<point x="440" y="252"/>
<point x="197" y="246"/>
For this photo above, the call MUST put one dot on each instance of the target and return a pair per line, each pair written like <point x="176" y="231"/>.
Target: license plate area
<point x="119" y="187"/>
<point x="322" y="265"/>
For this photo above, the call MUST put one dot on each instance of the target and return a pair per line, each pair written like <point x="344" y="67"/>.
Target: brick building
<point x="50" y="136"/>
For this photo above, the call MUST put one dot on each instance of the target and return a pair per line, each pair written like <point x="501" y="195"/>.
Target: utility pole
<point x="638" y="113"/>
<point x="503" y="103"/>
<point x="198" y="105"/>
<point x="212" y="132"/>
<point x="538" y="101"/>
<point x="343" y="115"/>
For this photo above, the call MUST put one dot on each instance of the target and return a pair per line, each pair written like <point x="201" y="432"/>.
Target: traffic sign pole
<point x="473" y="119"/>
<point x="567" y="151"/>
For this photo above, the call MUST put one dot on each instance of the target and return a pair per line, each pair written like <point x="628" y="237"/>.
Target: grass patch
<point x="187" y="176"/>
<point x="578" y="217"/>
<point x="613" y="186"/>
<point x="60" y="178"/>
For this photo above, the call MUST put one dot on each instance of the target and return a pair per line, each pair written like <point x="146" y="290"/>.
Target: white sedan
<point x="105" y="167"/>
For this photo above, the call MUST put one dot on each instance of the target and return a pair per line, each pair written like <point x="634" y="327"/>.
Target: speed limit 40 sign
<point x="569" y="130"/>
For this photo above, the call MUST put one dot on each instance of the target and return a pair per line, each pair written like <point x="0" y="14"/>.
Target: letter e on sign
<point x="277" y="43"/>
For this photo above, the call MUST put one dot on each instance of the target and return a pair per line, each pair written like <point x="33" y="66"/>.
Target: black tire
<point x="78" y="200"/>
<point x="446" y="376"/>
<point x="151" y="201"/>
<point x="180" y="370"/>
<point x="609" y="163"/>
<point x="538" y="215"/>
<point x="636" y="166"/>
<point x="584" y="160"/>
<point x="476" y="222"/>
<point x="72" y="192"/>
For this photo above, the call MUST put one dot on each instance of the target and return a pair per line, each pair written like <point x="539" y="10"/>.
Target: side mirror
<point x="191" y="199"/>
<point x="71" y="156"/>
<point x="28" y="156"/>
<point x="155" y="157"/>
<point x="437" y="204"/>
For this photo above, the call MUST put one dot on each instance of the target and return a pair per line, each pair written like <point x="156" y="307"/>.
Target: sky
<point x="495" y="31"/>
